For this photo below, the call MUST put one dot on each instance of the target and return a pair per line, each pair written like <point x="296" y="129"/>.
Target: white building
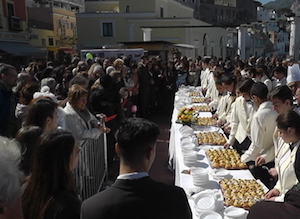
<point x="110" y="22"/>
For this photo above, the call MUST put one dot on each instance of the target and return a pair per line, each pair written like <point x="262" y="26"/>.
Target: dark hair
<point x="80" y="80"/>
<point x="245" y="85"/>
<point x="50" y="173"/>
<point x="282" y="93"/>
<point x="206" y="60"/>
<point x="260" y="90"/>
<point x="39" y="111"/>
<point x="135" y="137"/>
<point x="289" y="119"/>
<point x="229" y="79"/>
<point x="75" y="93"/>
<point x="106" y="81"/>
<point x="26" y="93"/>
<point x="280" y="69"/>
<point x="251" y="71"/>
<point x="240" y="63"/>
<point x="28" y="137"/>
<point x="5" y="68"/>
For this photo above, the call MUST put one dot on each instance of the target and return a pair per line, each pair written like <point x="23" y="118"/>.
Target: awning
<point x="68" y="50"/>
<point x="186" y="46"/>
<point x="21" y="49"/>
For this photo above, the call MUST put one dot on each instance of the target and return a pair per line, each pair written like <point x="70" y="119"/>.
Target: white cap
<point x="293" y="74"/>
<point x="45" y="92"/>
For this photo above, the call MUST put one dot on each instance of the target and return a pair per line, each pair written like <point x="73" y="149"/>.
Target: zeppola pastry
<point x="241" y="193"/>
<point x="213" y="138"/>
<point x="225" y="158"/>
<point x="201" y="108"/>
<point x="205" y="121"/>
<point x="195" y="94"/>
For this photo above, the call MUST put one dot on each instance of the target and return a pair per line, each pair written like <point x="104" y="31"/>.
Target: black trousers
<point x="242" y="147"/>
<point x="262" y="173"/>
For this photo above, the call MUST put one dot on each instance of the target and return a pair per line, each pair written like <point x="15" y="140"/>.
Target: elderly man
<point x="134" y="194"/>
<point x="8" y="79"/>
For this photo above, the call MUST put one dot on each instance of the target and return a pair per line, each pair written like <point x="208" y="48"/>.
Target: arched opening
<point x="205" y="44"/>
<point x="221" y="46"/>
<point x="127" y="9"/>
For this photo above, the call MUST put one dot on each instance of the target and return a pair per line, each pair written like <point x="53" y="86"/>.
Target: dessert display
<point x="202" y="108"/>
<point x="241" y="193"/>
<point x="185" y="115"/>
<point x="204" y="121"/>
<point x="225" y="158"/>
<point x="195" y="94"/>
<point x="197" y="99"/>
<point x="213" y="138"/>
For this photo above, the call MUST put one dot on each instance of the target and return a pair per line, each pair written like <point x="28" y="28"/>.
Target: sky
<point x="265" y="1"/>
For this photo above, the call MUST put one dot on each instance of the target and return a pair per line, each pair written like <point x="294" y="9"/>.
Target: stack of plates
<point x="200" y="176"/>
<point x="188" y="148"/>
<point x="210" y="215"/>
<point x="235" y="213"/>
<point x="190" y="158"/>
<point x="204" y="202"/>
<point x="221" y="173"/>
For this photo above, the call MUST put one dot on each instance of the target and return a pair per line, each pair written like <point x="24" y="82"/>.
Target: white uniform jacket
<point x="285" y="167"/>
<point x="240" y="121"/>
<point x="262" y="128"/>
<point x="80" y="129"/>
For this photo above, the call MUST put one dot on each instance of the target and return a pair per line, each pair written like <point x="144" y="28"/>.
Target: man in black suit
<point x="134" y="194"/>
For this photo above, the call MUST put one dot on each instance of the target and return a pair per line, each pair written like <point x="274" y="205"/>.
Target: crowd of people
<point x="51" y="111"/>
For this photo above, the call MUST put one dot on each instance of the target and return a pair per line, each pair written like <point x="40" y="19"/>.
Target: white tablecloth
<point x="185" y="180"/>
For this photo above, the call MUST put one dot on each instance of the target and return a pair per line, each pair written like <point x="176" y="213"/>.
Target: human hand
<point x="260" y="161"/>
<point x="219" y="122"/>
<point x="214" y="116"/>
<point x="273" y="172"/>
<point x="103" y="129"/>
<point x="272" y="194"/>
<point x="226" y="145"/>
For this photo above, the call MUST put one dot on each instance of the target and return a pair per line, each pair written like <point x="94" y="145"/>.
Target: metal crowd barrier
<point x="92" y="169"/>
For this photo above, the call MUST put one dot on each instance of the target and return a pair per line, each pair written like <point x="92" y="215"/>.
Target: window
<point x="107" y="29"/>
<point x="161" y="12"/>
<point x="51" y="41"/>
<point x="43" y="42"/>
<point x="127" y="9"/>
<point x="1" y="25"/>
<point x="74" y="29"/>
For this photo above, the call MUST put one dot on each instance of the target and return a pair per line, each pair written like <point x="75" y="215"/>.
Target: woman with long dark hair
<point x="43" y="113"/>
<point x="50" y="191"/>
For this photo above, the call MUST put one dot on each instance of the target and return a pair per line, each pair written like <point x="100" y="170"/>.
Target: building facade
<point x="56" y="31"/>
<point x="107" y="23"/>
<point x="15" y="47"/>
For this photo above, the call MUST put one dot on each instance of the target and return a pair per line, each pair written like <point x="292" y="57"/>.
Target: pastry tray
<point x="242" y="193"/>
<point x="229" y="161"/>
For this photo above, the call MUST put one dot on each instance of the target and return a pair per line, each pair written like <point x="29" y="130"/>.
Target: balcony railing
<point x="14" y="23"/>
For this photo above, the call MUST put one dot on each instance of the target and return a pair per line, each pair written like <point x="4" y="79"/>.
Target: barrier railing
<point x="92" y="168"/>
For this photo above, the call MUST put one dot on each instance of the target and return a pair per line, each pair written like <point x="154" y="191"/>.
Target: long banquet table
<point x="185" y="180"/>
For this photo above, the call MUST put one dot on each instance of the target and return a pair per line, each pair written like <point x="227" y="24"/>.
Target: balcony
<point x="14" y="23"/>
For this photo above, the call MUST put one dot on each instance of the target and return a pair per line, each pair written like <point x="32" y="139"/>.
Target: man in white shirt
<point x="279" y="75"/>
<point x="262" y="128"/>
<point x="241" y="116"/>
<point x="204" y="75"/>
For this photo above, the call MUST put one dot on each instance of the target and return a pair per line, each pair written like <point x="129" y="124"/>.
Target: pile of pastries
<point x="225" y="158"/>
<point x="205" y="121"/>
<point x="213" y="138"/>
<point x="241" y="193"/>
<point x="197" y="99"/>
<point x="201" y="108"/>
<point x="195" y="94"/>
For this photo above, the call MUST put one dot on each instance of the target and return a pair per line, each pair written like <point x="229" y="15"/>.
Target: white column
<point x="294" y="38"/>
<point x="242" y="32"/>
<point x="146" y="34"/>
